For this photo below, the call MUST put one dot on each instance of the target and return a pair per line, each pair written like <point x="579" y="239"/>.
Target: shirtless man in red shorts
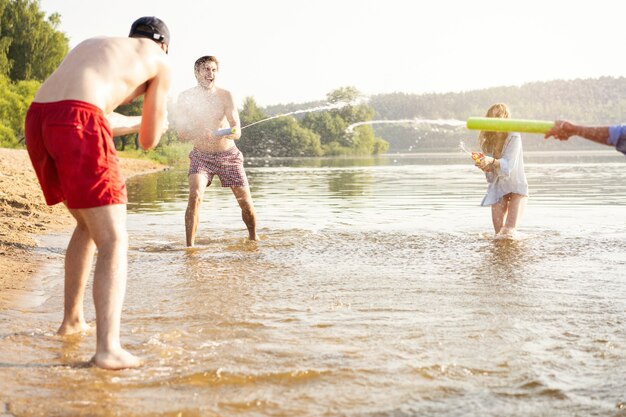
<point x="69" y="133"/>
<point x="201" y="112"/>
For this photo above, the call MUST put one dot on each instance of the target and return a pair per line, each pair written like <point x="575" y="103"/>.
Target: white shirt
<point x="510" y="176"/>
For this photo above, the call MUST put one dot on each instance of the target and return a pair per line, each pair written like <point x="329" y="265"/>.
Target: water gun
<point x="225" y="131"/>
<point x="494" y="124"/>
<point x="477" y="156"/>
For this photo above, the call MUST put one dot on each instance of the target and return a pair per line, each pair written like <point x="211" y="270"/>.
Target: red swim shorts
<point x="71" y="147"/>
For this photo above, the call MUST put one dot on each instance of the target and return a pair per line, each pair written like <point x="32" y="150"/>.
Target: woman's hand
<point x="486" y="163"/>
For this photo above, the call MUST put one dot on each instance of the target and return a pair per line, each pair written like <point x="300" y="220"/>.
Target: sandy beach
<point x="24" y="215"/>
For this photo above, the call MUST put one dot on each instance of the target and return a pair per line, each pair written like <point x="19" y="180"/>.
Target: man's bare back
<point x="68" y="134"/>
<point x="99" y="71"/>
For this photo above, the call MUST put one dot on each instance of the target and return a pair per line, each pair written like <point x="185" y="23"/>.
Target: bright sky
<point x="282" y="51"/>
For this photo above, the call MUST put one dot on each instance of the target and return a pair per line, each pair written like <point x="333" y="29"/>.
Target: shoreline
<point x="24" y="215"/>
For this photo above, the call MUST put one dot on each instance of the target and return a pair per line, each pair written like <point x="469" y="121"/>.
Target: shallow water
<point x="376" y="290"/>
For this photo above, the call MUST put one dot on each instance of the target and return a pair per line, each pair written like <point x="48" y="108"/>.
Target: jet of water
<point x="441" y="122"/>
<point x="464" y="148"/>
<point x="331" y="106"/>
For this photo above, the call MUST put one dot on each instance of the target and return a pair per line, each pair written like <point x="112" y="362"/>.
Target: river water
<point x="376" y="290"/>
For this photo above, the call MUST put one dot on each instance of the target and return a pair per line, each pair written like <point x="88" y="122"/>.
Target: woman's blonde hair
<point x="493" y="142"/>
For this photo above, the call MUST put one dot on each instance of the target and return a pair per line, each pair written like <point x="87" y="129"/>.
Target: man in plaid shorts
<point x="201" y="113"/>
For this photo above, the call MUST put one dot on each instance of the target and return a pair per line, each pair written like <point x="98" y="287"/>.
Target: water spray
<point x="332" y="106"/>
<point x="441" y="122"/>
<point x="476" y="156"/>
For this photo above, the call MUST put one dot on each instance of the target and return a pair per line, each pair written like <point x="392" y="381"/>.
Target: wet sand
<point x="24" y="215"/>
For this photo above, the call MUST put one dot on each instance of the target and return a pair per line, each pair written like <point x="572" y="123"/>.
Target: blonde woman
<point x="503" y="165"/>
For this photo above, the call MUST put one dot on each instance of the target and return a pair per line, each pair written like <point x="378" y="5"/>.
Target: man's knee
<point x="195" y="197"/>
<point x="80" y="221"/>
<point x="113" y="240"/>
<point x="242" y="194"/>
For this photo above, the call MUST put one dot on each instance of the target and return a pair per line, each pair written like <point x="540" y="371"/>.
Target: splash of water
<point x="464" y="148"/>
<point x="440" y="122"/>
<point x="331" y="106"/>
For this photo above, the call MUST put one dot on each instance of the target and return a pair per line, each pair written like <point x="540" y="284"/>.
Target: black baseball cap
<point x="152" y="28"/>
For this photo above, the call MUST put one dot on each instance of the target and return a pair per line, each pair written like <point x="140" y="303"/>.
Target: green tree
<point x="600" y="101"/>
<point x="4" y="43"/>
<point x="14" y="101"/>
<point x="129" y="109"/>
<point x="32" y="45"/>
<point x="334" y="126"/>
<point x="381" y="146"/>
<point x="328" y="125"/>
<point x="278" y="137"/>
<point x="250" y="112"/>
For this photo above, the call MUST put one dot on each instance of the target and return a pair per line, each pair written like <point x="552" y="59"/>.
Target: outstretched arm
<point x="154" y="114"/>
<point x="563" y="130"/>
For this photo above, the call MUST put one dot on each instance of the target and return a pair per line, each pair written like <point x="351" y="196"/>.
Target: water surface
<point x="376" y="290"/>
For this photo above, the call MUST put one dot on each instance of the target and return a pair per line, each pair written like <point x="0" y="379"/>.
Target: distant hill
<point x="599" y="101"/>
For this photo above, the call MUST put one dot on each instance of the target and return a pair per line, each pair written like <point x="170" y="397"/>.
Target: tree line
<point x="597" y="101"/>
<point x="316" y="133"/>
<point x="32" y="46"/>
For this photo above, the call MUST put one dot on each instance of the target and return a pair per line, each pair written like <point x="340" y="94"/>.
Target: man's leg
<point x="242" y="194"/>
<point x="197" y="185"/>
<point x="107" y="228"/>
<point x="78" y="259"/>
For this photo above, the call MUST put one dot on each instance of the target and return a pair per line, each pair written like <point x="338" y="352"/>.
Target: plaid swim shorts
<point x="227" y="165"/>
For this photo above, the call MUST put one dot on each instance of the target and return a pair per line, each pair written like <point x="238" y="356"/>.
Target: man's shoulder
<point x="221" y="90"/>
<point x="190" y="92"/>
<point x="97" y="39"/>
<point x="108" y="40"/>
<point x="224" y="94"/>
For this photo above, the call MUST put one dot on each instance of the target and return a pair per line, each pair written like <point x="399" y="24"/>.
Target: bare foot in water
<point x="506" y="233"/>
<point x="118" y="359"/>
<point x="74" y="328"/>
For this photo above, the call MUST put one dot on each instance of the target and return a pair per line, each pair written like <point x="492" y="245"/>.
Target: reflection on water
<point x="376" y="290"/>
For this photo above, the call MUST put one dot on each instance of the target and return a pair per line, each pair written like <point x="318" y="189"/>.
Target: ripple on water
<point x="363" y="300"/>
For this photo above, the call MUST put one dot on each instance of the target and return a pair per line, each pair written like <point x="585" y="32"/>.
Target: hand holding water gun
<point x="223" y="132"/>
<point x="486" y="163"/>
<point x="477" y="156"/>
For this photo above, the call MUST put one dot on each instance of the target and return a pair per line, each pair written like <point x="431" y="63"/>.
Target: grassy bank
<point x="172" y="154"/>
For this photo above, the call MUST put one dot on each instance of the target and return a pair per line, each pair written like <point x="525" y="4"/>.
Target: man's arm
<point x="123" y="125"/>
<point x="232" y="115"/>
<point x="563" y="130"/>
<point x="154" y="113"/>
